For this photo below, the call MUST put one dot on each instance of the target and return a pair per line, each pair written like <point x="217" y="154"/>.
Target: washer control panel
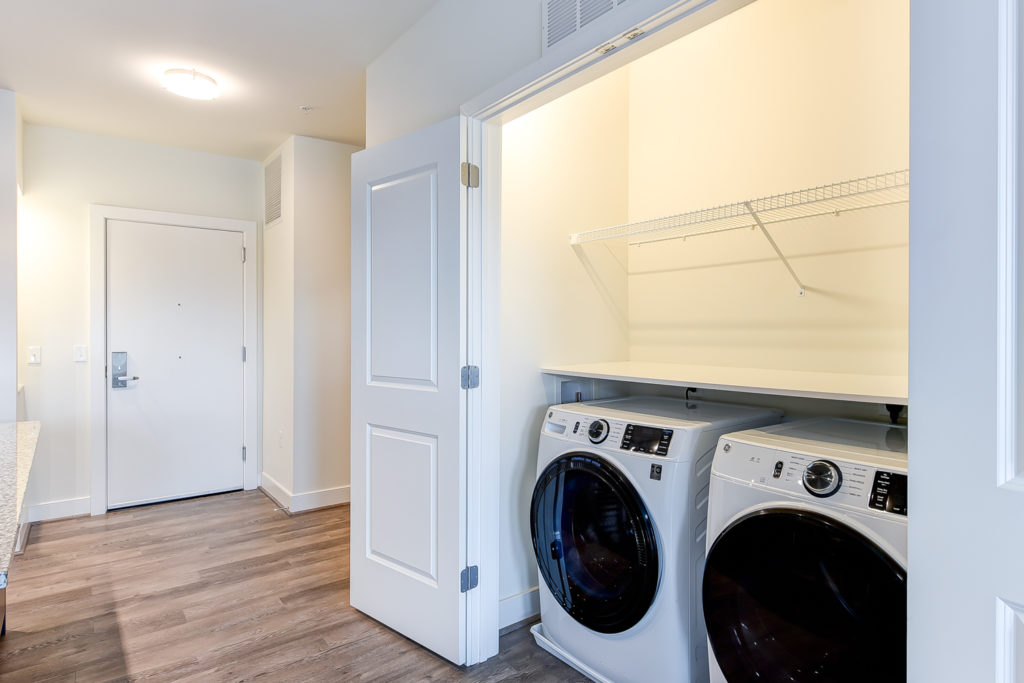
<point x="642" y="439"/>
<point x="610" y="433"/>
<point x="843" y="482"/>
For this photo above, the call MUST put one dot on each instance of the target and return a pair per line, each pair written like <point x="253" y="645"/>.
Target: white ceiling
<point x="96" y="66"/>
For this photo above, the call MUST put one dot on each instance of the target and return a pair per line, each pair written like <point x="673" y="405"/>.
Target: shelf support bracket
<point x="771" y="241"/>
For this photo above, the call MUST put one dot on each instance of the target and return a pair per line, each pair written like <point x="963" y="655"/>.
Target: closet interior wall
<point x="779" y="96"/>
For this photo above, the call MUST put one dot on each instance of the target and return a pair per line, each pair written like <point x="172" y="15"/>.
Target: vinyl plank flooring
<point x="221" y="588"/>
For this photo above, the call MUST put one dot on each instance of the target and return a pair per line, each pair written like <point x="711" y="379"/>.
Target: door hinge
<point x="470" y="174"/>
<point x="105" y="369"/>
<point x="470" y="376"/>
<point x="470" y="578"/>
<point x="243" y="254"/>
<point x="243" y="453"/>
<point x="243" y="354"/>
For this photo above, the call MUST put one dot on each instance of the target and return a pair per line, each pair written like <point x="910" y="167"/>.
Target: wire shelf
<point x="850" y="195"/>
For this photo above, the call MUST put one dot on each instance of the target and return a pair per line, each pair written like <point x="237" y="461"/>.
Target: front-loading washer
<point x="618" y="518"/>
<point x="806" y="572"/>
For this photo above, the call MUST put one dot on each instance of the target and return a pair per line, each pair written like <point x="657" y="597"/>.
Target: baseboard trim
<point x="59" y="509"/>
<point x="277" y="493"/>
<point x="303" y="502"/>
<point x="515" y="609"/>
<point x="338" y="495"/>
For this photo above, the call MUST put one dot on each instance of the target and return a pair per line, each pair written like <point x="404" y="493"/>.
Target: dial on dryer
<point x="598" y="431"/>
<point x="822" y="478"/>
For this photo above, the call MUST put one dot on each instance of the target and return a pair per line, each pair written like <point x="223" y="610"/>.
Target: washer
<point x="806" y="573"/>
<point x="618" y="519"/>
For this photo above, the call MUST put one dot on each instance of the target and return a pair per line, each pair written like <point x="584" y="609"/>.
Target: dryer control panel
<point x="889" y="492"/>
<point x="823" y="478"/>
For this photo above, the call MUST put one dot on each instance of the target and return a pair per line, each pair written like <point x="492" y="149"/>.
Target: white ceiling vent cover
<point x="272" y="191"/>
<point x="562" y="18"/>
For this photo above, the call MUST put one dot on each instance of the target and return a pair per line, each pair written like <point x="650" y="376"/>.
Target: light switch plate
<point x="81" y="353"/>
<point x="35" y="355"/>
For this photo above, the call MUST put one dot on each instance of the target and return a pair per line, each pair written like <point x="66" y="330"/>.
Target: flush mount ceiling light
<point x="190" y="83"/>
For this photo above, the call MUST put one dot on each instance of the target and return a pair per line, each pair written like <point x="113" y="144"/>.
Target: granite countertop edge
<point x="18" y="442"/>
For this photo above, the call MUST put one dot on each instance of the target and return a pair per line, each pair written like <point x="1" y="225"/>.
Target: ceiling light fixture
<point x="190" y="83"/>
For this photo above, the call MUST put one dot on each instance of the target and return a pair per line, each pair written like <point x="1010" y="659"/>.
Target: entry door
<point x="408" y="408"/>
<point x="175" y="309"/>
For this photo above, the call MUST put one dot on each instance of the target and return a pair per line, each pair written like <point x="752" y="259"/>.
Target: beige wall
<point x="563" y="169"/>
<point x="65" y="172"/>
<point x="9" y="134"/>
<point x="818" y="94"/>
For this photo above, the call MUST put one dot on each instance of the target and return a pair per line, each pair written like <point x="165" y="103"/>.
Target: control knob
<point x="822" y="478"/>
<point x="598" y="431"/>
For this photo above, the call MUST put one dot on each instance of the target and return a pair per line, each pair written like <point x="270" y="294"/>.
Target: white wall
<point x="564" y="167"/>
<point x="8" y="255"/>
<point x="322" y="320"/>
<point x="306" y="329"/>
<point x="279" y="337"/>
<point x="458" y="49"/>
<point x="65" y="172"/>
<point x="461" y="49"/>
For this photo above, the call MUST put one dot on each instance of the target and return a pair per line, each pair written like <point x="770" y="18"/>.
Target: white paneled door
<point x="175" y="298"/>
<point x="966" y="479"/>
<point x="408" y="409"/>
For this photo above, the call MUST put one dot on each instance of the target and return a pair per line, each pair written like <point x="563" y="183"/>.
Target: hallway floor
<point x="221" y="588"/>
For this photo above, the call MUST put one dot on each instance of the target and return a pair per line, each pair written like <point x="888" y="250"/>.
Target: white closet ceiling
<point x="96" y="66"/>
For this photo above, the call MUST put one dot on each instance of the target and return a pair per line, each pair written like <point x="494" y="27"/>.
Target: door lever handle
<point x="126" y="378"/>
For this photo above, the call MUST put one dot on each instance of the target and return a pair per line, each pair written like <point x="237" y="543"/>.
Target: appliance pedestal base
<point x="538" y="635"/>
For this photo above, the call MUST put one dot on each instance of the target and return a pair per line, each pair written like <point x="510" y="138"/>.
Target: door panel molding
<point x="404" y="464"/>
<point x="1010" y="461"/>
<point x="99" y="215"/>
<point x="412" y="345"/>
<point x="1009" y="642"/>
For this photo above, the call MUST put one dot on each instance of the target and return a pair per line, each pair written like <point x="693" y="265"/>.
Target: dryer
<point x="618" y="518"/>
<point x="806" y="572"/>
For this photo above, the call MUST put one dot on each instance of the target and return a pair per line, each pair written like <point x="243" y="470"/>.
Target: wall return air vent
<point x="272" y="191"/>
<point x="563" y="18"/>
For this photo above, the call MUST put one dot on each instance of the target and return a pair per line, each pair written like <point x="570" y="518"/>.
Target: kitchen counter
<point x="17" y="450"/>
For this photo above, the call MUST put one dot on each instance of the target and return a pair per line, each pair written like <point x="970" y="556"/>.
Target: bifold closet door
<point x="408" y="407"/>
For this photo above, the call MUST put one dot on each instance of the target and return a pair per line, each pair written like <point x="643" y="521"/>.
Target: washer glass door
<point x="792" y="595"/>
<point x="594" y="542"/>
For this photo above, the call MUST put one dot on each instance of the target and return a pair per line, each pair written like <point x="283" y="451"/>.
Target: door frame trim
<point x="556" y="73"/>
<point x="98" y="217"/>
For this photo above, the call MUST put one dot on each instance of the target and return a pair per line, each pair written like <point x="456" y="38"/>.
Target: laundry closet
<point x="760" y="121"/>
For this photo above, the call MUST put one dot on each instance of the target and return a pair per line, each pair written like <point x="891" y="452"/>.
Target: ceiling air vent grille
<point x="272" y="191"/>
<point x="592" y="9"/>
<point x="562" y="18"/>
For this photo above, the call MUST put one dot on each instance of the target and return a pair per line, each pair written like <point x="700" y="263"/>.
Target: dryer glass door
<point x="791" y="595"/>
<point x="594" y="542"/>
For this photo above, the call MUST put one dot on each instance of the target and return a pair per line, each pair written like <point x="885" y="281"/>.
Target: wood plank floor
<point x="222" y="588"/>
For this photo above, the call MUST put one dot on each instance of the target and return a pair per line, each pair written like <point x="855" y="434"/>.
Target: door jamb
<point x="99" y="215"/>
